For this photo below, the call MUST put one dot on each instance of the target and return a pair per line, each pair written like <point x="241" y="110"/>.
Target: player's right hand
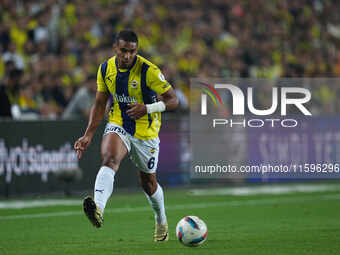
<point x="81" y="144"/>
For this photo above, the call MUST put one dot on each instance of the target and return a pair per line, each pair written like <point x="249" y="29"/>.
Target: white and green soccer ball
<point x="191" y="231"/>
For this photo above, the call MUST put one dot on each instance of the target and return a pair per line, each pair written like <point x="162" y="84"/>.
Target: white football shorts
<point x="143" y="153"/>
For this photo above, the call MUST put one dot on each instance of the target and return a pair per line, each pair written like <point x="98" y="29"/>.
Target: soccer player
<point x="134" y="123"/>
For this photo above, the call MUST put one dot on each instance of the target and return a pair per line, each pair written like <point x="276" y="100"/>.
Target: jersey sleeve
<point x="101" y="87"/>
<point x="155" y="80"/>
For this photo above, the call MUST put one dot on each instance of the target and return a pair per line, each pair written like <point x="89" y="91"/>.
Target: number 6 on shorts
<point x="151" y="162"/>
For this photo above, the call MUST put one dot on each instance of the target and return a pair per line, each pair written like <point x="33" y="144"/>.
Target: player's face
<point x="125" y="52"/>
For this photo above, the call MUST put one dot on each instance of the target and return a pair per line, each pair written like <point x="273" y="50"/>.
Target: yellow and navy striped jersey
<point x="139" y="84"/>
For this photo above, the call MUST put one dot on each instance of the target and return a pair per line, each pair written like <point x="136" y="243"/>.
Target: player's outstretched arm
<point x="96" y="116"/>
<point x="169" y="102"/>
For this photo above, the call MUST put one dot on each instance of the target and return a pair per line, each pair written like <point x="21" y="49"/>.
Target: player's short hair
<point x="126" y="35"/>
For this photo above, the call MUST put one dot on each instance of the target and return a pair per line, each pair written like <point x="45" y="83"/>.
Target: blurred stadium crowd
<point x="51" y="49"/>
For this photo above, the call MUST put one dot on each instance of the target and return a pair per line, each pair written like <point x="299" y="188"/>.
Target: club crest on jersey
<point x="153" y="150"/>
<point x="133" y="84"/>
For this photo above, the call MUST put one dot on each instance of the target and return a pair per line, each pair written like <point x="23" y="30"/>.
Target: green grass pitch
<point x="297" y="223"/>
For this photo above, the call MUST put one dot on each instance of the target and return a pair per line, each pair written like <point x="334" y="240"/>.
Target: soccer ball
<point x="191" y="231"/>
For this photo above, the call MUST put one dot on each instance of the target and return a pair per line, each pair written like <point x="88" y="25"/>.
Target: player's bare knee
<point x="110" y="161"/>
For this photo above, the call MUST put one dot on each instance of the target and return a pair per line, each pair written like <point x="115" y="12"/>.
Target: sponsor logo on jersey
<point x="125" y="99"/>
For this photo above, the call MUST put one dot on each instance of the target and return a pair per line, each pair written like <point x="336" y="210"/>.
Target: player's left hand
<point x="136" y="111"/>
